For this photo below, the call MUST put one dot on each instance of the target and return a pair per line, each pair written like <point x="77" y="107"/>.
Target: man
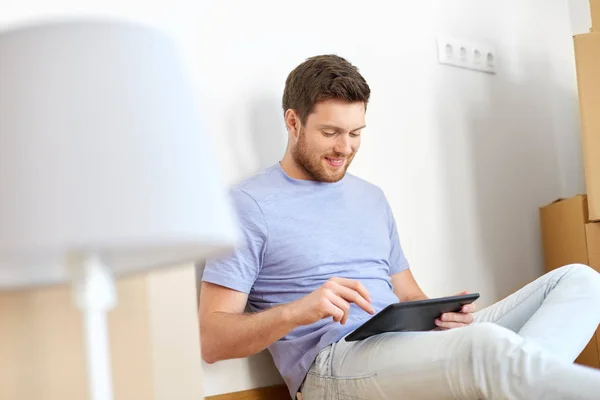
<point x="320" y="255"/>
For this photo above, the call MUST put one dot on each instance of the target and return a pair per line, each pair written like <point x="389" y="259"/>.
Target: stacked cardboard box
<point x="595" y="9"/>
<point x="587" y="61"/>
<point x="571" y="227"/>
<point x="569" y="237"/>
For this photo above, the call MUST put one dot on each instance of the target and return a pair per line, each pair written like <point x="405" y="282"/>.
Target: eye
<point x="355" y="134"/>
<point x="328" y="133"/>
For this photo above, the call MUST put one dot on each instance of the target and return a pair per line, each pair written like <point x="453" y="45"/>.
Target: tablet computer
<point x="407" y="316"/>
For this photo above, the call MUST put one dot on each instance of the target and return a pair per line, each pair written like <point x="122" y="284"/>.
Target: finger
<point x="354" y="285"/>
<point x="448" y="325"/>
<point x="353" y="297"/>
<point x="457" y="317"/>
<point x="336" y="312"/>
<point x="341" y="304"/>
<point x="469" y="308"/>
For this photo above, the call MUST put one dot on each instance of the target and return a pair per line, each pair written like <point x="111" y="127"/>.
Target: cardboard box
<point x="587" y="59"/>
<point x="153" y="331"/>
<point x="595" y="11"/>
<point x="569" y="237"/>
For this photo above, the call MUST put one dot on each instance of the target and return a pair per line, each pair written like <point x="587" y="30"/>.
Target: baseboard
<point x="279" y="392"/>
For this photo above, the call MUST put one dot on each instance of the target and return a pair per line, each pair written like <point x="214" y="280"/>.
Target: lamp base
<point x="94" y="294"/>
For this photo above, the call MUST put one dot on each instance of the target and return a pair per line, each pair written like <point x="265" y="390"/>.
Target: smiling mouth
<point x="335" y="162"/>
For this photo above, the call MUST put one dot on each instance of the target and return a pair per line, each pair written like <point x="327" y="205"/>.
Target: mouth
<point x="335" y="162"/>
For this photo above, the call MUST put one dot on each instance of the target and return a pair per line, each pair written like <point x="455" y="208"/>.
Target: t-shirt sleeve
<point x="397" y="260"/>
<point x="239" y="270"/>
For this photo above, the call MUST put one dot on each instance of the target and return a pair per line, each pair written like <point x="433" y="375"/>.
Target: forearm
<point x="225" y="335"/>
<point x="415" y="293"/>
<point x="406" y="287"/>
<point x="413" y="296"/>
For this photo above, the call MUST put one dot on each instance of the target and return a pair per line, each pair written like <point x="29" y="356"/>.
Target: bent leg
<point x="560" y="310"/>
<point x="482" y="361"/>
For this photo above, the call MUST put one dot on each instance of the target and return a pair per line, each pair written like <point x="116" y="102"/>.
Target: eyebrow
<point x="338" y="129"/>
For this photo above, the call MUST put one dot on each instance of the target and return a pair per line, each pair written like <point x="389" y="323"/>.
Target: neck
<point x="292" y="169"/>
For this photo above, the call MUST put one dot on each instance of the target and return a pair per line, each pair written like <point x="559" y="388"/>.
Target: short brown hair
<point x="321" y="78"/>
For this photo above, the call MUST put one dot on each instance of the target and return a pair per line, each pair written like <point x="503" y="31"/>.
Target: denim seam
<point x="546" y="286"/>
<point x="343" y="378"/>
<point x="518" y="304"/>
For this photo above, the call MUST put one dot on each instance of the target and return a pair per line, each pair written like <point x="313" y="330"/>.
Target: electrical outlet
<point x="459" y="53"/>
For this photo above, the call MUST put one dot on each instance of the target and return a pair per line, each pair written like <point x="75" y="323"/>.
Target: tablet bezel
<point x="364" y="331"/>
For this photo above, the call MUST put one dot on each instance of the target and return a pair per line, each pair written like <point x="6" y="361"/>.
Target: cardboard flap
<point x="595" y="11"/>
<point x="564" y="233"/>
<point x="578" y="202"/>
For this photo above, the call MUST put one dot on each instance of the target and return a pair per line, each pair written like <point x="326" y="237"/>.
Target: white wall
<point x="579" y="11"/>
<point x="465" y="158"/>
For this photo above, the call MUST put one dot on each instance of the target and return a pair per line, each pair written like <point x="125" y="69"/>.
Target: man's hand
<point x="458" y="319"/>
<point x="331" y="300"/>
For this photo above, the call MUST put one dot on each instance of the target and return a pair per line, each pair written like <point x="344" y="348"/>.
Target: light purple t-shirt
<point x="296" y="234"/>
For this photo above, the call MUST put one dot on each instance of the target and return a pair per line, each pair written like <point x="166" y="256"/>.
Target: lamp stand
<point x="94" y="294"/>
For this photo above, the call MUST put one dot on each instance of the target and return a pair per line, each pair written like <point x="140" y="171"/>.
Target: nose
<point x="343" y="145"/>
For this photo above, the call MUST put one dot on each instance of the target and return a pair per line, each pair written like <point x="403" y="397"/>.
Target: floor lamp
<point x="104" y="170"/>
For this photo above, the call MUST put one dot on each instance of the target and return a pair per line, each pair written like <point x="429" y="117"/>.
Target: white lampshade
<point x="101" y="153"/>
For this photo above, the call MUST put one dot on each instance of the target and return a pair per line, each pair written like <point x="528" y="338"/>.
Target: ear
<point x="292" y="123"/>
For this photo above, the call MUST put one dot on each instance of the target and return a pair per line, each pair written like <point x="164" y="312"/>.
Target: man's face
<point x="329" y="140"/>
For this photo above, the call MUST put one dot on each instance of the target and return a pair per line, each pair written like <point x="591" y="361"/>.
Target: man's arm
<point x="227" y="332"/>
<point x="406" y="287"/>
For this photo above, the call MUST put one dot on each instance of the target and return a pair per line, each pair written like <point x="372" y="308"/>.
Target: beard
<point x="313" y="163"/>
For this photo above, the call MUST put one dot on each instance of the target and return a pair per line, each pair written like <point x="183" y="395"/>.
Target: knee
<point x="488" y="332"/>
<point x="496" y="353"/>
<point x="488" y="342"/>
<point x="579" y="270"/>
<point x="585" y="280"/>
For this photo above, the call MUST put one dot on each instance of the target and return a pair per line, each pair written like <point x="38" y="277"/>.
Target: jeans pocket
<point x="357" y="388"/>
<point x="318" y="387"/>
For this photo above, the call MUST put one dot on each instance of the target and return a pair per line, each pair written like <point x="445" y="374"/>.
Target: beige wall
<point x="153" y="338"/>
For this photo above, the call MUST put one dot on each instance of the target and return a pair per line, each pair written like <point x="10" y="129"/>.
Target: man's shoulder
<point x="258" y="185"/>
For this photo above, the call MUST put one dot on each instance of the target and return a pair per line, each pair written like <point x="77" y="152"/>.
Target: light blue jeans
<point x="522" y="347"/>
